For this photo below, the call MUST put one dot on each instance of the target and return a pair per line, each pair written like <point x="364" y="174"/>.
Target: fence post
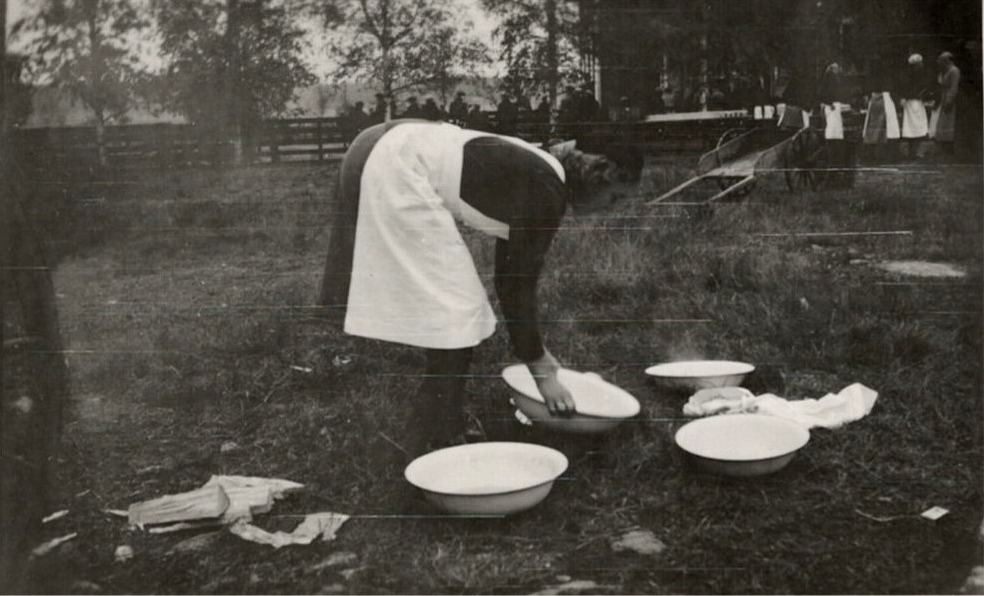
<point x="321" y="146"/>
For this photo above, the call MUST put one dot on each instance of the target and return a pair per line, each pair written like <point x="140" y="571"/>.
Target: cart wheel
<point x="806" y="161"/>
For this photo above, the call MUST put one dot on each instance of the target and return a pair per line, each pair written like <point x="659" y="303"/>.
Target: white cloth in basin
<point x="830" y="411"/>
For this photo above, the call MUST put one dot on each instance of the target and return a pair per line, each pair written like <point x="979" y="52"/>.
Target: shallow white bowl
<point x="600" y="405"/>
<point x="487" y="478"/>
<point x="742" y="444"/>
<point x="694" y="375"/>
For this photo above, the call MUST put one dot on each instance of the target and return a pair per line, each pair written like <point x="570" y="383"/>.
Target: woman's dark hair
<point x="584" y="171"/>
<point x="593" y="179"/>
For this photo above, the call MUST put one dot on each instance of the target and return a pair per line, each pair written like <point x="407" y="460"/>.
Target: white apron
<point x="941" y="124"/>
<point x="891" y="117"/>
<point x="834" y="129"/>
<point x="413" y="278"/>
<point x="881" y="119"/>
<point x="915" y="125"/>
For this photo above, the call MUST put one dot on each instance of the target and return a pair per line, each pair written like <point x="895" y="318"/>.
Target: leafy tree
<point x="401" y="44"/>
<point x="86" y="48"/>
<point x="229" y="63"/>
<point x="538" y="42"/>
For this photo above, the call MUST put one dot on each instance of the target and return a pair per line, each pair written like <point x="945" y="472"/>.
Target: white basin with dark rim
<point x="600" y="405"/>
<point x="495" y="478"/>
<point x="693" y="375"/>
<point x="742" y="444"/>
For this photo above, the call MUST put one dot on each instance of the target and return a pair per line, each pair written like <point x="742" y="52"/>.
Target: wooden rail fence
<point x="62" y="152"/>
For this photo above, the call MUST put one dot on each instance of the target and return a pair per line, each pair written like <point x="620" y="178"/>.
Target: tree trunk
<point x="550" y="6"/>
<point x="33" y="387"/>
<point x="96" y="71"/>
<point x="385" y="44"/>
<point x="100" y="138"/>
<point x="387" y="83"/>
<point x="233" y="115"/>
<point x="34" y="390"/>
<point x="4" y="99"/>
<point x="705" y="89"/>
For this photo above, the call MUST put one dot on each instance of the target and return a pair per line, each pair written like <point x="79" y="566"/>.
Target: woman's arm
<point x="558" y="398"/>
<point x="519" y="262"/>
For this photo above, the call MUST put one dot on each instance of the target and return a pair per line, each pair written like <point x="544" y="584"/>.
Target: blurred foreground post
<point x="32" y="365"/>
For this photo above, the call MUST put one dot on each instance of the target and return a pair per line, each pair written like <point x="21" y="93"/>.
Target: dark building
<point x="704" y="52"/>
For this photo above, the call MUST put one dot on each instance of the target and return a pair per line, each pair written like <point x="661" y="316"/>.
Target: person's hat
<point x="915" y="59"/>
<point x="460" y="94"/>
<point x="946" y="56"/>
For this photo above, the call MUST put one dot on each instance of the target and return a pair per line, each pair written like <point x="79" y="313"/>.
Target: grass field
<point x="185" y="300"/>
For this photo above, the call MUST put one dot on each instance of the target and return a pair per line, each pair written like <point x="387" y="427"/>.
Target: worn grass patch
<point x="191" y="325"/>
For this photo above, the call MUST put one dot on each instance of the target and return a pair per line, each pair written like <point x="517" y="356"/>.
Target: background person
<point x="835" y="96"/>
<point x="943" y="122"/>
<point x="458" y="110"/>
<point x="432" y="111"/>
<point x="379" y="109"/>
<point x="795" y="102"/>
<point x="399" y="271"/>
<point x="567" y="113"/>
<point x="476" y="119"/>
<point x="507" y="115"/>
<point x="913" y="87"/>
<point x="413" y="109"/>
<point x="587" y="107"/>
<point x="668" y="99"/>
<point x="881" y="124"/>
<point x="354" y="122"/>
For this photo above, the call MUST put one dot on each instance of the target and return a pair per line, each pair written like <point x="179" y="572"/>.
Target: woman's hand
<point x="558" y="399"/>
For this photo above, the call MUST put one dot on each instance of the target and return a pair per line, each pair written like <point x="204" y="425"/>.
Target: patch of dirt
<point x="922" y="268"/>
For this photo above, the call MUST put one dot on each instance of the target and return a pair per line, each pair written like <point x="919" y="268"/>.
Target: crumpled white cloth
<point x="830" y="411"/>
<point x="279" y="488"/>
<point x="324" y="524"/>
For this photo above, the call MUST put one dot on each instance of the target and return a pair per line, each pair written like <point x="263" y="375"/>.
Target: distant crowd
<point x="899" y="94"/>
<point x="577" y="106"/>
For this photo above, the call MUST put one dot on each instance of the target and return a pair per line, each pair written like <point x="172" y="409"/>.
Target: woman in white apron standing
<point x="944" y="119"/>
<point x="881" y="124"/>
<point x="912" y="89"/>
<point x="398" y="269"/>
<point x="835" y="96"/>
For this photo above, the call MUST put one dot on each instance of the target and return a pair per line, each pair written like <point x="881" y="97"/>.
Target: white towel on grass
<point x="830" y="411"/>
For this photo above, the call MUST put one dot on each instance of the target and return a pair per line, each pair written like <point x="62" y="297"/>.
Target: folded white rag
<point x="830" y="411"/>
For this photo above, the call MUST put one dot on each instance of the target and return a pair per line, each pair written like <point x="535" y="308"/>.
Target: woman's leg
<point x="438" y="410"/>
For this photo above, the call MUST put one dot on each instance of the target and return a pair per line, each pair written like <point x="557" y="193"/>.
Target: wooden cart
<point x="744" y="153"/>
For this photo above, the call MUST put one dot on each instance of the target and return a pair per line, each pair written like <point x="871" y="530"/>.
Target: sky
<point x="483" y="26"/>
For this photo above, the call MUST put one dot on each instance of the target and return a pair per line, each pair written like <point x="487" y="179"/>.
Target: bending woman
<point x="398" y="269"/>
